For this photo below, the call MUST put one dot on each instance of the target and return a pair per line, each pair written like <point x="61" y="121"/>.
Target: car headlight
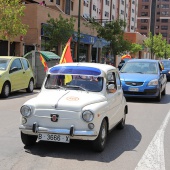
<point x="26" y="111"/>
<point x="153" y="83"/>
<point x="168" y="73"/>
<point x="87" y="116"/>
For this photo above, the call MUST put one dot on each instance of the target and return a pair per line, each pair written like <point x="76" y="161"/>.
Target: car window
<point x="118" y="81"/>
<point x="16" y="65"/>
<point x="25" y="63"/>
<point x="74" y="82"/>
<point x="140" y="67"/>
<point x="111" y="78"/>
<point x="4" y="64"/>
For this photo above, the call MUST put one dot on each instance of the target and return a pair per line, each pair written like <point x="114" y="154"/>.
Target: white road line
<point x="153" y="158"/>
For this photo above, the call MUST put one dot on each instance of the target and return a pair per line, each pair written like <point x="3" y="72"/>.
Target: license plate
<point x="54" y="137"/>
<point x="133" y="89"/>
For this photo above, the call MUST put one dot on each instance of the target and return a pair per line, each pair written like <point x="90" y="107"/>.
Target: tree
<point x="135" y="48"/>
<point x="58" y="31"/>
<point x="114" y="33"/>
<point x="156" y="44"/>
<point x="11" y="26"/>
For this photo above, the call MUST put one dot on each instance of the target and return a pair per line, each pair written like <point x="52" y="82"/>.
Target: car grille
<point x="146" y="92"/>
<point x="131" y="83"/>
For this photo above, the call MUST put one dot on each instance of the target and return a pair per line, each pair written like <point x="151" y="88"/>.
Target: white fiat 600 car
<point x="81" y="101"/>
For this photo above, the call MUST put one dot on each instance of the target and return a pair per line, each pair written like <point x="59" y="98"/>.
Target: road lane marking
<point x="153" y="158"/>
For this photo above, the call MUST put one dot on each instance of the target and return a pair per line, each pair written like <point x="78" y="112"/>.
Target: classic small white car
<point x="81" y="101"/>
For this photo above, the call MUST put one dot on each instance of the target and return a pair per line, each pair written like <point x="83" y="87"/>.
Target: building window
<point x="122" y="2"/>
<point x="158" y="13"/>
<point x="165" y="6"/>
<point x="143" y="27"/>
<point x="164" y="34"/>
<point x="113" y="6"/>
<point x="166" y="13"/>
<point x="145" y="7"/>
<point x="107" y="2"/>
<point x="144" y="14"/>
<point x="145" y="0"/>
<point x="72" y="5"/>
<point x="51" y="0"/>
<point x="144" y="20"/>
<point x="94" y="7"/>
<point x="106" y="14"/>
<point x="164" y="20"/>
<point x="164" y="27"/>
<point x="133" y="19"/>
<point x="58" y="2"/>
<point x="132" y="27"/>
<point x="157" y="27"/>
<point x="157" y="20"/>
<point x="122" y="12"/>
<point x="133" y="2"/>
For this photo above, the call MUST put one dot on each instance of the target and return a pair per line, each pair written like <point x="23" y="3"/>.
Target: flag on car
<point x="44" y="63"/>
<point x="67" y="58"/>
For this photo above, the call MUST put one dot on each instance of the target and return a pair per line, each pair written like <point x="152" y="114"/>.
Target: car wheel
<point x="28" y="140"/>
<point x="121" y="124"/>
<point x="5" y="90"/>
<point x="164" y="91"/>
<point x="100" y="142"/>
<point x="158" y="98"/>
<point x="30" y="86"/>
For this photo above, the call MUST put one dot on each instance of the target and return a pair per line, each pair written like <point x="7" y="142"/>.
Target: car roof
<point x="143" y="60"/>
<point x="103" y="67"/>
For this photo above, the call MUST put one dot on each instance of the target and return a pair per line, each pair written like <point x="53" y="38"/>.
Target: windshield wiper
<point x="72" y="86"/>
<point x="54" y="87"/>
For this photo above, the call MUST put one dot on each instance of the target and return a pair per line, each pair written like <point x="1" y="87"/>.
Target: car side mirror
<point x="111" y="88"/>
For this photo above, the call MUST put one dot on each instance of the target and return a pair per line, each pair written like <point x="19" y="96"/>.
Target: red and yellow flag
<point x="66" y="55"/>
<point x="44" y="63"/>
<point x="67" y="58"/>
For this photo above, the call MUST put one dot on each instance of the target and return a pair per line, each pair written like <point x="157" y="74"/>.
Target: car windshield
<point x="166" y="64"/>
<point x="3" y="63"/>
<point x="74" y="82"/>
<point x="140" y="67"/>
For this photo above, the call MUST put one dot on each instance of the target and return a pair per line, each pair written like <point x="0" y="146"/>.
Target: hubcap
<point x="6" y="90"/>
<point x="103" y="134"/>
<point x="31" y="85"/>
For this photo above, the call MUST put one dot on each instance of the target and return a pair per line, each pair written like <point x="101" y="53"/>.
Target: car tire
<point x="30" y="86"/>
<point x="121" y="124"/>
<point x="5" y="90"/>
<point x="164" y="91"/>
<point x="100" y="142"/>
<point x="158" y="98"/>
<point x="28" y="140"/>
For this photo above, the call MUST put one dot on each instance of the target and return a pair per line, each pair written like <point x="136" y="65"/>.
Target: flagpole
<point x="78" y="32"/>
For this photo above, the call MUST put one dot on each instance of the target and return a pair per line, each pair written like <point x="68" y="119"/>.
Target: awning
<point x="48" y="55"/>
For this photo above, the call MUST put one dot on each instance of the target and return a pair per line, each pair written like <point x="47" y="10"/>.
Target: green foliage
<point x="114" y="33"/>
<point x="11" y="25"/>
<point x="157" y="45"/>
<point x="135" y="48"/>
<point x="11" y="12"/>
<point x="58" y="31"/>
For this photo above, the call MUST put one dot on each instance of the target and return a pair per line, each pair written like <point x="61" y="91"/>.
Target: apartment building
<point x="154" y="17"/>
<point x="101" y="10"/>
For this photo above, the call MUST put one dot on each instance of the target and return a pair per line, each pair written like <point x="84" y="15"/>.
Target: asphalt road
<point x="142" y="145"/>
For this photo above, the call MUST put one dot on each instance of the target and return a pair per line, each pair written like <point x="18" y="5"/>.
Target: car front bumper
<point x="72" y="132"/>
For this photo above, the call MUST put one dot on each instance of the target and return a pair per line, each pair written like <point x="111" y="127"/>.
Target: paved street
<point x="142" y="145"/>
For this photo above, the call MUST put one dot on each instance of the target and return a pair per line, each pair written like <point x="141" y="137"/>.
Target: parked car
<point x="166" y="70"/>
<point x="143" y="78"/>
<point x="81" y="101"/>
<point x="15" y="74"/>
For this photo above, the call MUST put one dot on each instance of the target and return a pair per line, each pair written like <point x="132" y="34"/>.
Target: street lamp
<point x="78" y="32"/>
